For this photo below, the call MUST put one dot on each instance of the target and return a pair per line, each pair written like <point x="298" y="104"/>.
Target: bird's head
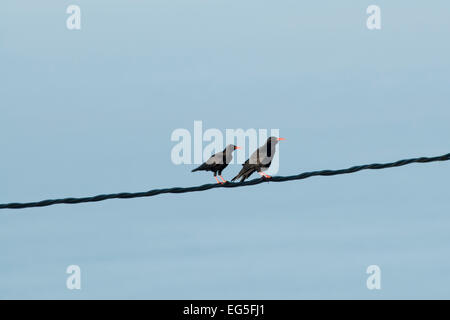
<point x="231" y="148"/>
<point x="274" y="140"/>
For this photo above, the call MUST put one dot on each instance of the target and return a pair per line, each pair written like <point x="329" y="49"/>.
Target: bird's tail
<point x="237" y="177"/>
<point x="201" y="167"/>
<point x="243" y="174"/>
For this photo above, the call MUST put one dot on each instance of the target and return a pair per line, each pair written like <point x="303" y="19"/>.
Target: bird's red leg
<point x="222" y="178"/>
<point x="218" y="180"/>
<point x="264" y="175"/>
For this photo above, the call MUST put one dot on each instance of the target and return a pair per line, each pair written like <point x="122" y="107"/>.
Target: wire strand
<point x="301" y="176"/>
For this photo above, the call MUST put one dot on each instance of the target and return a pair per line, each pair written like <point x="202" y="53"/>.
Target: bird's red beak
<point x="236" y="147"/>
<point x="279" y="139"/>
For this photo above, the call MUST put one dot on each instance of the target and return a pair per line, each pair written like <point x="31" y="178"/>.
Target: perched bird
<point x="260" y="160"/>
<point x="218" y="162"/>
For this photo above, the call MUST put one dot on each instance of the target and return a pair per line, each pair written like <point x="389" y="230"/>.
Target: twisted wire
<point x="301" y="176"/>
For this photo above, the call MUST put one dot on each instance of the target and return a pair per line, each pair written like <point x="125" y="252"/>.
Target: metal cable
<point x="301" y="176"/>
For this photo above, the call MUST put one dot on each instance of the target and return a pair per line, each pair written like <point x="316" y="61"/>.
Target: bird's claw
<point x="223" y="180"/>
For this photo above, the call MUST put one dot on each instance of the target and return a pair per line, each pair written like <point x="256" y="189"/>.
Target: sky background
<point x="92" y="111"/>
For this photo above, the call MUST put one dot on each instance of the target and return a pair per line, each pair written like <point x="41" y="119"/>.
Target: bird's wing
<point x="215" y="159"/>
<point x="265" y="160"/>
<point x="247" y="169"/>
<point x="254" y="158"/>
<point x="265" y="156"/>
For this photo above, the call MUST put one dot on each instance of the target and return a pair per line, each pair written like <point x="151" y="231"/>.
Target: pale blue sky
<point x="91" y="111"/>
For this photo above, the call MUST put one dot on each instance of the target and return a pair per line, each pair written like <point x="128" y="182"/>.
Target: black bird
<point x="218" y="162"/>
<point x="260" y="160"/>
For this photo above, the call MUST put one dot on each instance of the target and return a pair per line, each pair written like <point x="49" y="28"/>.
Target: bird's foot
<point x="224" y="181"/>
<point x="219" y="182"/>
<point x="263" y="175"/>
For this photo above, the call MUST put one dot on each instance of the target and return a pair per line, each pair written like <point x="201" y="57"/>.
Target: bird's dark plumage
<point x="259" y="161"/>
<point x="218" y="162"/>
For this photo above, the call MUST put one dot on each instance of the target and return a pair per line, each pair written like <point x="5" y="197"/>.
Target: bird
<point x="259" y="161"/>
<point x="219" y="161"/>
